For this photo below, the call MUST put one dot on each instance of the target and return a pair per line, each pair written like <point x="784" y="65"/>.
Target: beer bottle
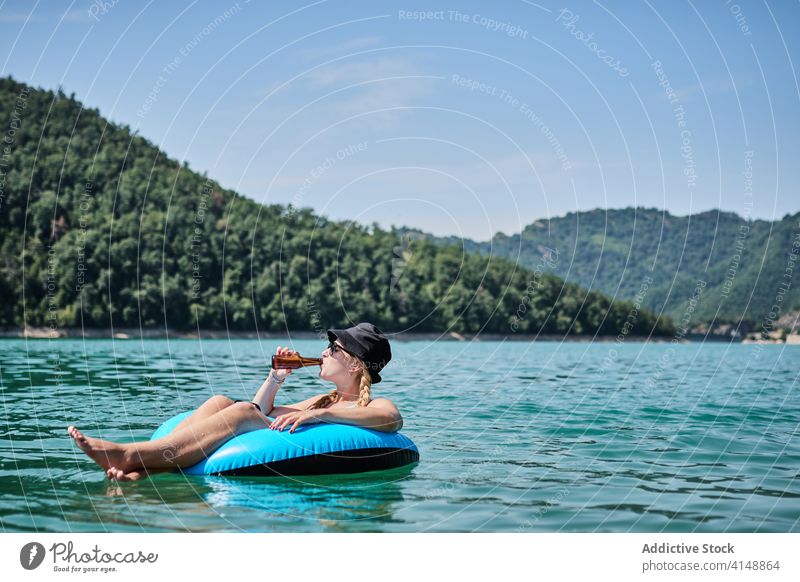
<point x="294" y="361"/>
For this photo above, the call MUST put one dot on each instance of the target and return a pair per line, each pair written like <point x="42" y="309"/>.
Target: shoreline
<point x="139" y="334"/>
<point x="125" y="333"/>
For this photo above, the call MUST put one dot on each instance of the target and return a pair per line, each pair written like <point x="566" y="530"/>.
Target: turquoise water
<point x="513" y="436"/>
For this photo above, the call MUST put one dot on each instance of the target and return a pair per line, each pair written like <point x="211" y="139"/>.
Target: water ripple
<point x="557" y="440"/>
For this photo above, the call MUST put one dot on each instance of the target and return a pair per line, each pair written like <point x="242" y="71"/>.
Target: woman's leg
<point x="204" y="411"/>
<point x="208" y="408"/>
<point x="182" y="449"/>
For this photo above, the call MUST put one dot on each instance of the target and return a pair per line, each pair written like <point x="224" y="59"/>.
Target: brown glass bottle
<point x="294" y="361"/>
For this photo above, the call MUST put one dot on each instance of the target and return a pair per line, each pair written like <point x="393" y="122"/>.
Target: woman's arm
<point x="265" y="397"/>
<point x="296" y="407"/>
<point x="380" y="414"/>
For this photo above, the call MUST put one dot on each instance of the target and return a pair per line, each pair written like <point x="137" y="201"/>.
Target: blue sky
<point x="467" y="119"/>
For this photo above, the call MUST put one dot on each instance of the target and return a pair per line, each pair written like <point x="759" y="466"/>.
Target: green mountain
<point x="98" y="227"/>
<point x="741" y="269"/>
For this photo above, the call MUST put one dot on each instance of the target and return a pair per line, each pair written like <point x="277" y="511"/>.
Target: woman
<point x="352" y="361"/>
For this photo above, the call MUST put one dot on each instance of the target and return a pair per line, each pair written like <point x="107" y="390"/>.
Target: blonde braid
<point x="365" y="392"/>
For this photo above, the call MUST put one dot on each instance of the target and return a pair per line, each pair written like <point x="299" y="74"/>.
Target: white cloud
<point x="341" y="72"/>
<point x="372" y="85"/>
<point x="346" y="47"/>
<point x="17" y="17"/>
<point x="79" y="16"/>
<point x="711" y="87"/>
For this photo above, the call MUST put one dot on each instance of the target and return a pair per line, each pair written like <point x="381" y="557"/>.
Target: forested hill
<point x="99" y="227"/>
<point x="743" y="268"/>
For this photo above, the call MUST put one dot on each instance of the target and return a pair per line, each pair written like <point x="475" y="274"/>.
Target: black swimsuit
<point x="253" y="403"/>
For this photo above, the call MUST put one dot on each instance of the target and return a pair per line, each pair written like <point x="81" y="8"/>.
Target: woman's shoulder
<point x="382" y="403"/>
<point x="303" y="404"/>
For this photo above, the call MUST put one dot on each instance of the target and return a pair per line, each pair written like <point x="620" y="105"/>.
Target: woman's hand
<point x="297" y="418"/>
<point x="281" y="373"/>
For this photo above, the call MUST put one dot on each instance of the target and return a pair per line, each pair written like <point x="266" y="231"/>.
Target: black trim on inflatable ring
<point x="353" y="461"/>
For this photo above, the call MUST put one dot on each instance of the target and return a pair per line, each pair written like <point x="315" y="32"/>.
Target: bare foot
<point x="105" y="453"/>
<point x="120" y="475"/>
<point x="114" y="491"/>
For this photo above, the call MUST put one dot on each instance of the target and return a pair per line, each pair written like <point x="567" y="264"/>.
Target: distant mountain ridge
<point x="743" y="268"/>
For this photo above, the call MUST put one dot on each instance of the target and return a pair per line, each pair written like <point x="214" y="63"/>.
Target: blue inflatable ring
<point x="312" y="449"/>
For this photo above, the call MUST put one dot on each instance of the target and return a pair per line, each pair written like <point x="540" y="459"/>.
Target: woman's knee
<point x="219" y="401"/>
<point x="247" y="412"/>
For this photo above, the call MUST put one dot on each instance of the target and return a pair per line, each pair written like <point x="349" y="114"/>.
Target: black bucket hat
<point x="366" y="342"/>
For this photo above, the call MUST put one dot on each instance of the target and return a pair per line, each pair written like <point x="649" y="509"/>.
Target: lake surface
<point x="513" y="436"/>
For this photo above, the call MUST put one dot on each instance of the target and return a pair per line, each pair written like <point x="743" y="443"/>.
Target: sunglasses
<point x="333" y="347"/>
